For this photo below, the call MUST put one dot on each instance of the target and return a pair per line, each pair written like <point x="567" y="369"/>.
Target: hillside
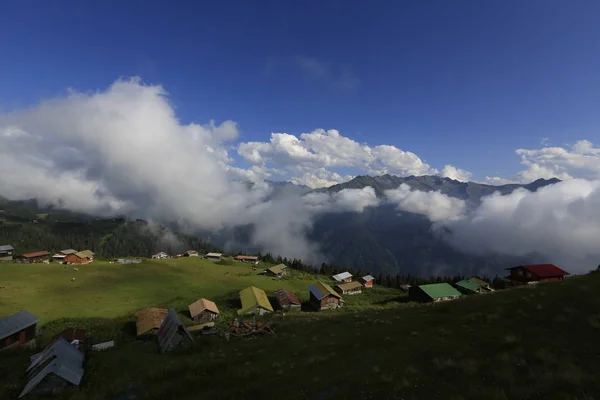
<point x="535" y="342"/>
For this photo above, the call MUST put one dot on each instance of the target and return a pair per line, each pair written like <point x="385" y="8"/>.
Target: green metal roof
<point x="468" y="285"/>
<point x="437" y="290"/>
<point x="253" y="297"/>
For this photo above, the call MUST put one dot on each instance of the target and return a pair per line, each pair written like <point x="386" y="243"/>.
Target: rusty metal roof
<point x="200" y="305"/>
<point x="247" y="257"/>
<point x="286" y="298"/>
<point x="36" y="254"/>
<point x="149" y="319"/>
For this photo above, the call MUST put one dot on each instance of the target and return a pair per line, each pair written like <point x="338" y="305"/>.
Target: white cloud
<point x="559" y="221"/>
<point x="436" y="206"/>
<point x="318" y="178"/>
<point x="497" y="181"/>
<point x="346" y="200"/>
<point x="457" y="174"/>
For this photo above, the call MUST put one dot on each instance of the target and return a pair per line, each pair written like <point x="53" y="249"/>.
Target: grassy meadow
<point x="537" y="342"/>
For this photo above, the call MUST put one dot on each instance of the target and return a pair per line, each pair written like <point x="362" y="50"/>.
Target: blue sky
<point x="463" y="82"/>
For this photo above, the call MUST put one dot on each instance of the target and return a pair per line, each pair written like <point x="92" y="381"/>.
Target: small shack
<point x="203" y="310"/>
<point x="433" y="292"/>
<point x="323" y="297"/>
<point x="367" y="281"/>
<point x="248" y="259"/>
<point x="349" y="288"/>
<point x="172" y="333"/>
<point x="37" y="256"/>
<point x="18" y="330"/>
<point x="254" y="301"/>
<point x="6" y="252"/>
<point x="483" y="284"/>
<point x="149" y="319"/>
<point x="343" y="277"/>
<point x="81" y="257"/>
<point x="214" y="256"/>
<point x="287" y="300"/>
<point x="191" y="253"/>
<point x="57" y="366"/>
<point x="536" y="273"/>
<point x="278" y="270"/>
<point x="467" y="287"/>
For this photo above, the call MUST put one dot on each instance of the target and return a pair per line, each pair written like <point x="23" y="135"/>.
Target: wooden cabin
<point x="483" y="284"/>
<point x="80" y="257"/>
<point x="349" y="288"/>
<point x="214" y="256"/>
<point x="367" y="281"/>
<point x="248" y="259"/>
<point x="203" y="310"/>
<point x="191" y="253"/>
<point x="343" y="277"/>
<point x="38" y="256"/>
<point x="172" y="333"/>
<point x="434" y="292"/>
<point x="536" y="273"/>
<point x="6" y="252"/>
<point x="254" y="301"/>
<point x="18" y="330"/>
<point x="278" y="270"/>
<point x="323" y="297"/>
<point x="287" y="300"/>
<point x="467" y="287"/>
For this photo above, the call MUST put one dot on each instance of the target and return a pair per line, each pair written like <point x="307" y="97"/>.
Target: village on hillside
<point x="62" y="362"/>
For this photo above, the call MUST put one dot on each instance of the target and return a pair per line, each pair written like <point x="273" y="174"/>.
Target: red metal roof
<point x="36" y="254"/>
<point x="544" y="270"/>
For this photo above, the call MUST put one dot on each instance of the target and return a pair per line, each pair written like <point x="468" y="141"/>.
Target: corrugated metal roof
<point x="368" y="278"/>
<point x="68" y="251"/>
<point x="172" y="333"/>
<point x="437" y="290"/>
<point x="149" y="319"/>
<point x="202" y="304"/>
<point x="479" y="282"/>
<point x="349" y="286"/>
<point x="278" y="268"/>
<point x="544" y="270"/>
<point x="71" y="374"/>
<point x="468" y="285"/>
<point x="214" y="255"/>
<point x="321" y="290"/>
<point x="16" y="322"/>
<point x="36" y="254"/>
<point x="286" y="297"/>
<point x="6" y="247"/>
<point x="253" y="297"/>
<point x="60" y="350"/>
<point x="342" y="276"/>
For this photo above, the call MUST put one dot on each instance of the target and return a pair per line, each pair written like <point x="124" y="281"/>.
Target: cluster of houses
<point x="208" y="256"/>
<point x="68" y="256"/>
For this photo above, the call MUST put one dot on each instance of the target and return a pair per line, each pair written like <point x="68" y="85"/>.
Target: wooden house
<point x="203" y="310"/>
<point x="191" y="253"/>
<point x="367" y="281"/>
<point x="57" y="366"/>
<point x="467" y="287"/>
<point x="254" y="301"/>
<point x="61" y="255"/>
<point x="287" y="300"/>
<point x="349" y="288"/>
<point x="536" y="273"/>
<point x="38" y="256"/>
<point x="323" y="297"/>
<point x="343" y="277"/>
<point x="160" y="255"/>
<point x="248" y="259"/>
<point x="483" y="284"/>
<point x="149" y="319"/>
<point x="214" y="256"/>
<point x="18" y="330"/>
<point x="278" y="270"/>
<point x="6" y="252"/>
<point x="172" y="333"/>
<point x="81" y="257"/>
<point x="434" y="292"/>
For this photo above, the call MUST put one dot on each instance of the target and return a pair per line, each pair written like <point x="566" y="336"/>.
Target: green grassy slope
<point x="534" y="342"/>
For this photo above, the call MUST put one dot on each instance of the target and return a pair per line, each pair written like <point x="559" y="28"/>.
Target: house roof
<point x="437" y="290"/>
<point x="169" y="330"/>
<point x="321" y="290"/>
<point x="68" y="251"/>
<point x="544" y="270"/>
<point x="247" y="257"/>
<point x="71" y="334"/>
<point x="85" y="254"/>
<point x="368" y="278"/>
<point x="342" y="276"/>
<point x="214" y="255"/>
<point x="36" y="254"/>
<point x="192" y="252"/>
<point x="465" y="284"/>
<point x="349" y="285"/>
<point x="16" y="322"/>
<point x="479" y="282"/>
<point x="253" y="297"/>
<point x="6" y="247"/>
<point x="202" y="304"/>
<point x="278" y="268"/>
<point x="69" y="373"/>
<point x="285" y="297"/>
<point x="59" y="350"/>
<point x="150" y="318"/>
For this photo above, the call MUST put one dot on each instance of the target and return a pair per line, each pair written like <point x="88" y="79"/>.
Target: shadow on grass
<point x="399" y="299"/>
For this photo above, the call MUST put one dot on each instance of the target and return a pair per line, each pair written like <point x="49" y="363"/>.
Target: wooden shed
<point x="203" y="310"/>
<point x="254" y="301"/>
<point x="191" y="253"/>
<point x="278" y="270"/>
<point x="323" y="297"/>
<point x="149" y="319"/>
<point x="287" y="300"/>
<point x="214" y="256"/>
<point x="349" y="288"/>
<point x="18" y="330"/>
<point x="172" y="333"/>
<point x="367" y="281"/>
